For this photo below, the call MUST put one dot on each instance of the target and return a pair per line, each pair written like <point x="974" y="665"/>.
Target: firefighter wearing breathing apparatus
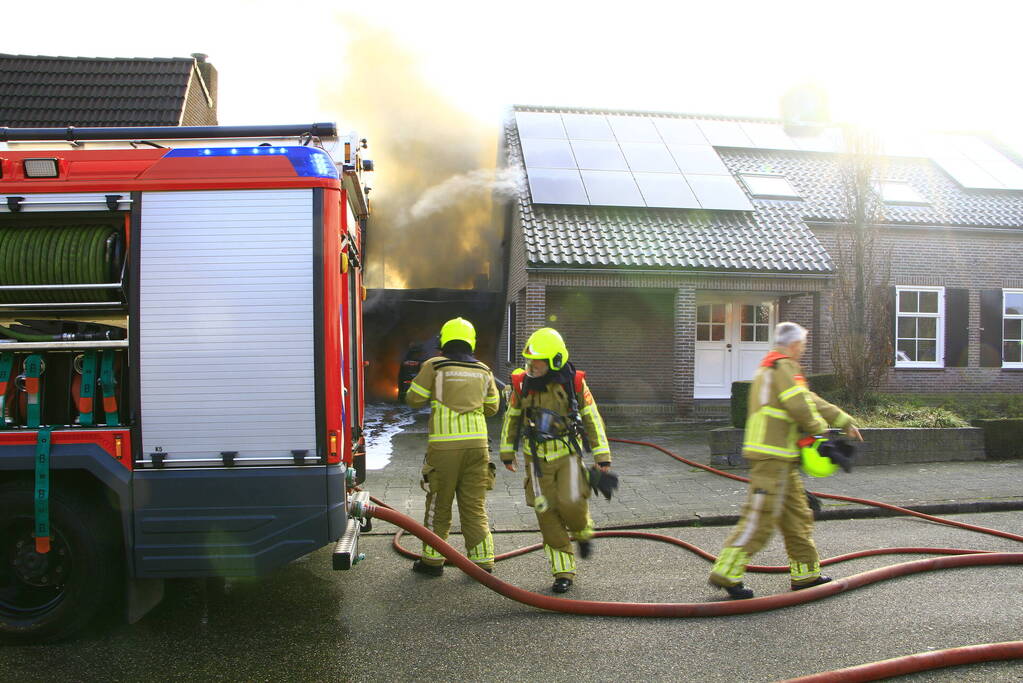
<point x="783" y="418"/>
<point x="551" y="412"/>
<point x="462" y="393"/>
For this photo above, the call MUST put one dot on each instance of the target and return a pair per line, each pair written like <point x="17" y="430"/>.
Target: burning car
<point x="416" y="353"/>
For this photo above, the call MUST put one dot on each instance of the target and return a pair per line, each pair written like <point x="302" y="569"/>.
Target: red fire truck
<point x="181" y="364"/>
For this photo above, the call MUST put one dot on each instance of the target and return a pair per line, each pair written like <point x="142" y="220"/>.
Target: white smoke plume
<point x="482" y="183"/>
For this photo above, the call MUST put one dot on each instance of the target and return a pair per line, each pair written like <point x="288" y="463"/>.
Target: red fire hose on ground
<point x="952" y="558"/>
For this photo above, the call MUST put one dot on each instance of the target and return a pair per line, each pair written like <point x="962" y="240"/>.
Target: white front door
<point x="731" y="338"/>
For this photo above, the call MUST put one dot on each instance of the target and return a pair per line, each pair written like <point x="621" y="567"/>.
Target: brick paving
<point x="658" y="490"/>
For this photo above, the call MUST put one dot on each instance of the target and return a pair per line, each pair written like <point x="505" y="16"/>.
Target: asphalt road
<point x="381" y="622"/>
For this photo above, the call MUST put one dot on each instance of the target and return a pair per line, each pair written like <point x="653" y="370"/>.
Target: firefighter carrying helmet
<point x="822" y="457"/>
<point x="546" y="344"/>
<point x="458" y="329"/>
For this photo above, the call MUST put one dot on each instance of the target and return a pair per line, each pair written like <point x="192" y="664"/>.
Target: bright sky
<point x="932" y="65"/>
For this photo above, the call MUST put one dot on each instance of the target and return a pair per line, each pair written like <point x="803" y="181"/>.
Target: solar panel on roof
<point x="1004" y="171"/>
<point x="534" y="124"/>
<point x="666" y="191"/>
<point x="547" y="153"/>
<point x="725" y="134"/>
<point x="633" y="129"/>
<point x="556" y="186"/>
<point x="599" y="155"/>
<point x="587" y="127"/>
<point x="680" y="131"/>
<point x="697" y="159"/>
<point x="967" y="173"/>
<point x="719" y="192"/>
<point x="612" y="188"/>
<point x="768" y="135"/>
<point x="649" y="157"/>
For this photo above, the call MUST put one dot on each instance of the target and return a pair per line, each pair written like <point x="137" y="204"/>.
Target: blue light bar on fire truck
<point x="309" y="162"/>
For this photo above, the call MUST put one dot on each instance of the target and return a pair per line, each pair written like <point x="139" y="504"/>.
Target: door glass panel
<point x="762" y="333"/>
<point x="702" y="332"/>
<point x="747" y="333"/>
<point x="718" y="313"/>
<point x="703" y="314"/>
<point x="717" y="333"/>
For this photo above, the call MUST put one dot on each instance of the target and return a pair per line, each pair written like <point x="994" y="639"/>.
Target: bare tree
<point x="861" y="339"/>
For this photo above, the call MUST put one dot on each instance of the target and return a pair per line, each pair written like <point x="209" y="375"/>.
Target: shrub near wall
<point x="1002" y="438"/>
<point x="820" y="384"/>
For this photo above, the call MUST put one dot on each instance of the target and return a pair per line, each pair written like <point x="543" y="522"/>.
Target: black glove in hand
<point x="604" y="483"/>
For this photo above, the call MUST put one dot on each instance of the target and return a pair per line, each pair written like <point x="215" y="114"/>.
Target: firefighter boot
<point x="561" y="585"/>
<point x="421" y="567"/>
<point x="816" y="582"/>
<point x="585" y="549"/>
<point x="737" y="592"/>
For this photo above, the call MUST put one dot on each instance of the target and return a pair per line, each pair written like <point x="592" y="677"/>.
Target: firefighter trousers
<point x="563" y="484"/>
<point x="464" y="474"/>
<point x="776" y="499"/>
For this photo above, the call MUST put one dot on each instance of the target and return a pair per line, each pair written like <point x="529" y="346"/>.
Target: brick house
<point x="666" y="246"/>
<point x="49" y="92"/>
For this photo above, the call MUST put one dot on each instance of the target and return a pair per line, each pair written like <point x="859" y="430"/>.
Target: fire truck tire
<point x="50" y="597"/>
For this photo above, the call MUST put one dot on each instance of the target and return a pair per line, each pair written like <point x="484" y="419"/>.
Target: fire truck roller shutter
<point x="226" y="320"/>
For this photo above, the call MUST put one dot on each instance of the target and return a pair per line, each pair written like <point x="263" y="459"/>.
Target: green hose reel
<point x="59" y="255"/>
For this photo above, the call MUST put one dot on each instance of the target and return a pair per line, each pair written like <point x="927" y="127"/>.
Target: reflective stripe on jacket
<point x="782" y="410"/>
<point x="461" y="395"/>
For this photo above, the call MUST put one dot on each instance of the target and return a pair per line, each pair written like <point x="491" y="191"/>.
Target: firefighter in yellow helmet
<point x="552" y="414"/>
<point x="782" y="414"/>
<point x="461" y="392"/>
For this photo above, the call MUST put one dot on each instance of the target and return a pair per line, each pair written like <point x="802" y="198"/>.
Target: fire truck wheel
<point x="49" y="597"/>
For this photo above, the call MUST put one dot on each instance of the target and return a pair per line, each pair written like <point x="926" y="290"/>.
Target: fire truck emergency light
<point x="40" y="168"/>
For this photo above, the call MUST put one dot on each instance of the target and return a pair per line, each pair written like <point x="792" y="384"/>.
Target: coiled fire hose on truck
<point x="58" y="255"/>
<point x="954" y="558"/>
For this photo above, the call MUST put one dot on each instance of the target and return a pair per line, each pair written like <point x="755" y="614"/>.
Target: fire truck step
<point x="346" y="552"/>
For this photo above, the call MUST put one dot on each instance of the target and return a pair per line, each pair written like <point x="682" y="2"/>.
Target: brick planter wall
<point x="880" y="446"/>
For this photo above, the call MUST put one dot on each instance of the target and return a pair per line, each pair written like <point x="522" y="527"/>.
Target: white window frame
<point x="1005" y="317"/>
<point x="896" y="187"/>
<point x="747" y="177"/>
<point x="939" y="361"/>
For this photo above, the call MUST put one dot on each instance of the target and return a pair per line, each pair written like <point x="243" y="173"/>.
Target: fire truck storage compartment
<point x="63" y="310"/>
<point x="226" y="327"/>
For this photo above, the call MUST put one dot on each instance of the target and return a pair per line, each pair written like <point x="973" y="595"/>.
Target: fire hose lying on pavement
<point x="953" y="557"/>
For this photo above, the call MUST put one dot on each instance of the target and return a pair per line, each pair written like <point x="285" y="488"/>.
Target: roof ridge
<point x="100" y="59"/>
<point x="565" y="109"/>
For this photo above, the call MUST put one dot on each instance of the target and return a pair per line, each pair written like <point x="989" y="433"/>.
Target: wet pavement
<point x="381" y="622"/>
<point x="658" y="490"/>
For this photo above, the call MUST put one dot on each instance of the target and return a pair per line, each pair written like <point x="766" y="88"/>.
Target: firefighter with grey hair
<point x="782" y="413"/>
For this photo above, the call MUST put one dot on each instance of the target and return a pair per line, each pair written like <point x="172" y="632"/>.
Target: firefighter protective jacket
<point x="461" y="395"/>
<point x="782" y="410"/>
<point x="553" y="397"/>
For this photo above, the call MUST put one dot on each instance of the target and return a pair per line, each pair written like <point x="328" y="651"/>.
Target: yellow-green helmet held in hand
<point x="458" y="329"/>
<point x="546" y="344"/>
<point x="813" y="462"/>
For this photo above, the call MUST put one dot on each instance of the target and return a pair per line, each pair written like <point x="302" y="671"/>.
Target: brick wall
<point x="972" y="259"/>
<point x="622" y="338"/>
<point x="684" y="331"/>
<point x="804" y="311"/>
